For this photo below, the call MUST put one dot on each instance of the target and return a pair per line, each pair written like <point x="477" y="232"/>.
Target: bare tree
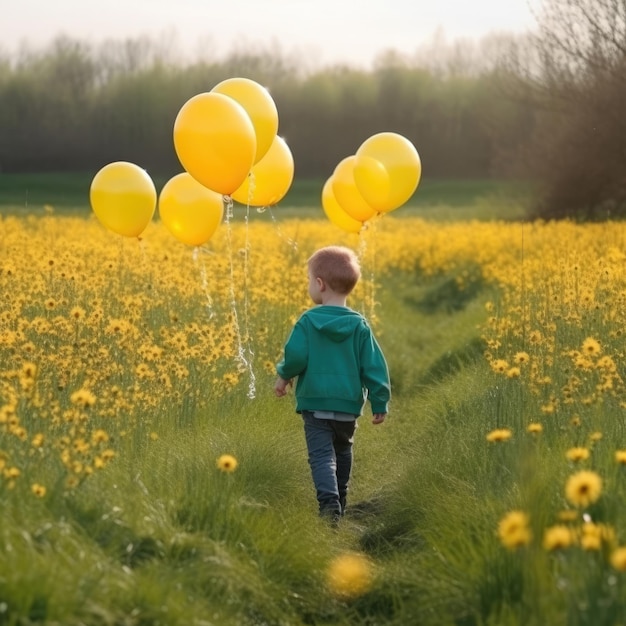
<point x="574" y="71"/>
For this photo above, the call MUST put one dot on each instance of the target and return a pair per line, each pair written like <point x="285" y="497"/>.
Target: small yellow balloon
<point x="258" y="104"/>
<point x="270" y="179"/>
<point x="402" y="163"/>
<point x="335" y="213"/>
<point x="346" y="192"/>
<point x="215" y="141"/>
<point x="123" y="197"/>
<point x="189" y="210"/>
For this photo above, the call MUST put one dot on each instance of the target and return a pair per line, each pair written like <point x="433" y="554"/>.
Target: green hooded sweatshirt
<point x="338" y="362"/>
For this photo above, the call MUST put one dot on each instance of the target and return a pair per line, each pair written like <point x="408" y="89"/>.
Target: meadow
<point x="150" y="476"/>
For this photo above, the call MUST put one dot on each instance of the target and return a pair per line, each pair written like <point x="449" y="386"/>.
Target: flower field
<point x="149" y="476"/>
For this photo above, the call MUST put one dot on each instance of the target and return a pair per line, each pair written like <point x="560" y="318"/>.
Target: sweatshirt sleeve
<point x="375" y="373"/>
<point x="296" y="353"/>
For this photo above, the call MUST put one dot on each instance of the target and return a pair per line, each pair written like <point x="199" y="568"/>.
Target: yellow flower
<point x="29" y="370"/>
<point x="591" y="346"/>
<point x="513" y="372"/>
<point x="534" y="427"/>
<point x="595" y="436"/>
<point x="499" y="434"/>
<point x="499" y="366"/>
<point x="620" y="457"/>
<point x="99" y="436"/>
<point x="350" y="575"/>
<point x="77" y="313"/>
<point x="38" y="490"/>
<point x="227" y="463"/>
<point x="521" y="358"/>
<point x="557" y="537"/>
<point x="583" y="488"/>
<point x="618" y="559"/>
<point x="577" y="454"/>
<point x="513" y="530"/>
<point x="83" y="398"/>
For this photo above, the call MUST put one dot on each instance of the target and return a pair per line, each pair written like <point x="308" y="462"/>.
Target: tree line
<point x="547" y="106"/>
<point x="73" y="106"/>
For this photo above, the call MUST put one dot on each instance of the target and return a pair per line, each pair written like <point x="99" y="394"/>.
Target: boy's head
<point x="337" y="266"/>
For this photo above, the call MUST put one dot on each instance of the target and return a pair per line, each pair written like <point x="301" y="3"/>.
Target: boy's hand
<point x="280" y="388"/>
<point x="379" y="418"/>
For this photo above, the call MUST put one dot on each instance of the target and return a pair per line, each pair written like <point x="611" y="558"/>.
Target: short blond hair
<point x="337" y="266"/>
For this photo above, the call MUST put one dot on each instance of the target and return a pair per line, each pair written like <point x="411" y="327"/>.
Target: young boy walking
<point x="339" y="366"/>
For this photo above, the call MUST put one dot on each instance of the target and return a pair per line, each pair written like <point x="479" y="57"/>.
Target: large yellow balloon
<point x="259" y="105"/>
<point x="401" y="161"/>
<point x="215" y="141"/>
<point x="123" y="197"/>
<point x="270" y="178"/>
<point x="335" y="213"/>
<point x="189" y="210"/>
<point x="346" y="192"/>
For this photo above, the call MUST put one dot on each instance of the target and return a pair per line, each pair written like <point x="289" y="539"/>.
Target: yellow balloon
<point x="123" y="197"/>
<point x="346" y="192"/>
<point x="259" y="105"/>
<point x="335" y="213"/>
<point x="270" y="178"/>
<point x="215" y="141"/>
<point x="189" y="210"/>
<point x="402" y="163"/>
<point x="376" y="179"/>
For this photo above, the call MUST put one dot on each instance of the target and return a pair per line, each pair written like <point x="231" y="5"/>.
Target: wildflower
<point x="618" y="559"/>
<point x="591" y="538"/>
<point x="521" y="357"/>
<point x="577" y="454"/>
<point x="499" y="366"/>
<point x="37" y="440"/>
<point x="83" y="398"/>
<point x="513" y="372"/>
<point x="534" y="428"/>
<point x="227" y="463"/>
<point x="620" y="457"/>
<point x="350" y="575"/>
<point x="575" y="421"/>
<point x="595" y="436"/>
<point x="535" y="337"/>
<point x="591" y="347"/>
<point x="99" y="436"/>
<point x="29" y="370"/>
<point x="38" y="490"/>
<point x="77" y="313"/>
<point x="154" y="436"/>
<point x="583" y="488"/>
<point x="513" y="530"/>
<point x="50" y="303"/>
<point x="557" y="537"/>
<point x="499" y="434"/>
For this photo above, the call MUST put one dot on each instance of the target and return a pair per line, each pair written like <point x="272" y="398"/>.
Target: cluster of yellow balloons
<point x="380" y="177"/>
<point x="227" y="142"/>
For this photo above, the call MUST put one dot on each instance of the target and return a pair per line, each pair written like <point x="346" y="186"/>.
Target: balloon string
<point x="370" y="283"/>
<point x="288" y="240"/>
<point x="203" y="277"/>
<point x="244" y="363"/>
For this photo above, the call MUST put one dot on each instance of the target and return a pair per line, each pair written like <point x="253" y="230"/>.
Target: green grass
<point x="68" y="193"/>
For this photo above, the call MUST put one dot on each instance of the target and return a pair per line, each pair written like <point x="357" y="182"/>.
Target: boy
<point x="339" y="365"/>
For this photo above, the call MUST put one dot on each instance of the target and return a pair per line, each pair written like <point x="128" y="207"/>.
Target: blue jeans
<point x="329" y="444"/>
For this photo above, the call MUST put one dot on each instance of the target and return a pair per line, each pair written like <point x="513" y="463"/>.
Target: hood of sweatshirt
<point x="336" y="322"/>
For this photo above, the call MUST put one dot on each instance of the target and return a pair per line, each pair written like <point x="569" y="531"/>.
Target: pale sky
<point x="328" y="31"/>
